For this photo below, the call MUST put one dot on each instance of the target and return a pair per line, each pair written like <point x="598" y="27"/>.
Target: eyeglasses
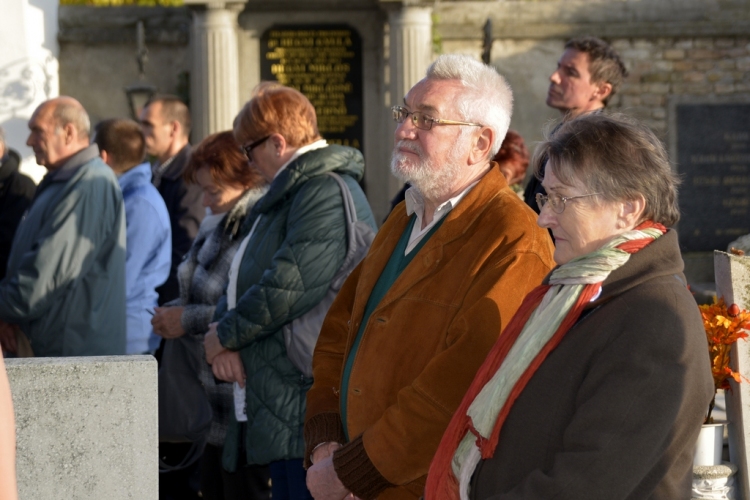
<point x="249" y="148"/>
<point x="557" y="202"/>
<point x="423" y="121"/>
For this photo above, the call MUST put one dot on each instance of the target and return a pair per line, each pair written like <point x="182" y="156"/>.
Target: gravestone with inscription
<point x="324" y="62"/>
<point x="713" y="160"/>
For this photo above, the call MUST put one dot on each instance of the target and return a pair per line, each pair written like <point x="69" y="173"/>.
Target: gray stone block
<point x="86" y="427"/>
<point x="733" y="284"/>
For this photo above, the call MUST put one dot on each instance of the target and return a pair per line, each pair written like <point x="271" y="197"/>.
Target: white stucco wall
<point x="28" y="70"/>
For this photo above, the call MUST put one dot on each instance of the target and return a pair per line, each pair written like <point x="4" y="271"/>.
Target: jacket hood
<point x="9" y="164"/>
<point x="333" y="158"/>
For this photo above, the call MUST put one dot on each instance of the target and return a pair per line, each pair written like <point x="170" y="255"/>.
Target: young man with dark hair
<point x="149" y="239"/>
<point x="588" y="74"/>
<point x="165" y="122"/>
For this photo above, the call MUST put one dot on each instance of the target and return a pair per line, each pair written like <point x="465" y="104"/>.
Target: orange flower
<point x="722" y="331"/>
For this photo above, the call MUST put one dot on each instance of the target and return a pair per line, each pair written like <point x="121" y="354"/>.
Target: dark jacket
<point x="186" y="212"/>
<point x="615" y="410"/>
<point x="66" y="273"/>
<point x="16" y="192"/>
<point x="295" y="251"/>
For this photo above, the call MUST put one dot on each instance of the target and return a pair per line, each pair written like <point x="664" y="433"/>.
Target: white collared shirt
<point x="415" y="205"/>
<point x="304" y="149"/>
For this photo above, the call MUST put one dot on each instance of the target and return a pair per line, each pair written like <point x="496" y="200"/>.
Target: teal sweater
<point x="393" y="269"/>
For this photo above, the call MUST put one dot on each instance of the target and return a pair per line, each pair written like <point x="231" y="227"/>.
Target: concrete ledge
<point x="86" y="427"/>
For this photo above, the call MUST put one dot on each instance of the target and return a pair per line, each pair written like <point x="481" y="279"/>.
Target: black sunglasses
<point x="249" y="148"/>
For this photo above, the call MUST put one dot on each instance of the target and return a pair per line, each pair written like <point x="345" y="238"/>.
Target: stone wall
<point x="86" y="428"/>
<point x="664" y="67"/>
<point x="98" y="54"/>
<point x="686" y="48"/>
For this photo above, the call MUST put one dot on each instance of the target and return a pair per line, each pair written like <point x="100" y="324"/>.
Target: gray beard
<point x="431" y="180"/>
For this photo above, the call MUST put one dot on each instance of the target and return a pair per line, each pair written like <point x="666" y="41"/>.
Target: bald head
<point x="59" y="129"/>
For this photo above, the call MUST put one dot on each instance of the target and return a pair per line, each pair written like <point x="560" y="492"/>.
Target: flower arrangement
<point x="724" y="326"/>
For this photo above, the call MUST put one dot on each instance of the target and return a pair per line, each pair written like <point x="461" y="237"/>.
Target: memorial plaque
<point x="324" y="62"/>
<point x="713" y="159"/>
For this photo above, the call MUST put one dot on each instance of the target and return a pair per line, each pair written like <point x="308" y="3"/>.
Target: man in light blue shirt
<point x="149" y="239"/>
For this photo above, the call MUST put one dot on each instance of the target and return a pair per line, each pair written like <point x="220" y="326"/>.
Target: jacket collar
<point x="177" y="164"/>
<point x="661" y="258"/>
<point x="341" y="159"/>
<point x="458" y="222"/>
<point x="74" y="163"/>
<point x="136" y="176"/>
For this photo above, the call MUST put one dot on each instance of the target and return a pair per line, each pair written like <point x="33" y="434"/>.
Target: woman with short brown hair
<point x="599" y="385"/>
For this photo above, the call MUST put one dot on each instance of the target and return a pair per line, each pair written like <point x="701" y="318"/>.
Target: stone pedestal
<point x="713" y="482"/>
<point x="86" y="428"/>
<point x="214" y="87"/>
<point x="733" y="284"/>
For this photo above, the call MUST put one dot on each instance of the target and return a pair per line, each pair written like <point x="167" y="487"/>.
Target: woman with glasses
<point x="292" y="246"/>
<point x="230" y="189"/>
<point x="599" y="385"/>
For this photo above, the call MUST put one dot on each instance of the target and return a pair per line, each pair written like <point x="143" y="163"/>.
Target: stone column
<point x="733" y="284"/>
<point x="409" y="55"/>
<point x="214" y="82"/>
<point x="410" y="47"/>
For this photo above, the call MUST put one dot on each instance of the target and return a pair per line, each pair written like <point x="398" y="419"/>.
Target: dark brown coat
<point x="615" y="410"/>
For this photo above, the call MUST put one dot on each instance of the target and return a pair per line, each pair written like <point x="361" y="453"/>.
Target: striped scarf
<point x="545" y="316"/>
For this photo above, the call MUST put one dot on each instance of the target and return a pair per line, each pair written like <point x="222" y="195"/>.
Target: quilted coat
<point x="294" y="253"/>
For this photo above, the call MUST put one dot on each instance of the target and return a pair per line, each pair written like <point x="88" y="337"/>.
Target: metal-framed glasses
<point x="423" y="121"/>
<point x="249" y="148"/>
<point x="557" y="202"/>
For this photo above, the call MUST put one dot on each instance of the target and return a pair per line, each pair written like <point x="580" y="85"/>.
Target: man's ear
<point x="70" y="133"/>
<point x="175" y="129"/>
<point x="603" y="90"/>
<point x="482" y="145"/>
<point x="104" y="155"/>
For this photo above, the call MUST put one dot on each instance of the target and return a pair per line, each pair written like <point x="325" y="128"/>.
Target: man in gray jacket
<point x="65" y="284"/>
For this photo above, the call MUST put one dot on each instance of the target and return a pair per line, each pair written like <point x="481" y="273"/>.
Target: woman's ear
<point x="631" y="211"/>
<point x="279" y="144"/>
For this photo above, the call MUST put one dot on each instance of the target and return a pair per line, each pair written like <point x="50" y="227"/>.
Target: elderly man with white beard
<point x="414" y="321"/>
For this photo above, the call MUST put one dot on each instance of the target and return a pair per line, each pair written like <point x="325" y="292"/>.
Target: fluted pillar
<point x="410" y="47"/>
<point x="214" y="80"/>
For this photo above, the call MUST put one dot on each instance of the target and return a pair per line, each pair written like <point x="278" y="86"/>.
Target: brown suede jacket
<point x="425" y="340"/>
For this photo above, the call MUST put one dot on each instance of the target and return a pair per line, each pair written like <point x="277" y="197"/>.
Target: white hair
<point x="488" y="99"/>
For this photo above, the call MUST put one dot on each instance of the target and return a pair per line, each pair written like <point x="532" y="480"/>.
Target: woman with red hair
<point x="230" y="190"/>
<point x="293" y="245"/>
